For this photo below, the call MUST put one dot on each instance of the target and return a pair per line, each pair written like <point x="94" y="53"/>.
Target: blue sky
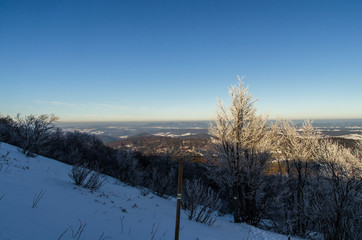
<point x="169" y="60"/>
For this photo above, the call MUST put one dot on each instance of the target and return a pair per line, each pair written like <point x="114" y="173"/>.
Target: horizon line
<point x="198" y="120"/>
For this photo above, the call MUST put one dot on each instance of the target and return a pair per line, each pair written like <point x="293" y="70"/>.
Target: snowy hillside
<point x="39" y="201"/>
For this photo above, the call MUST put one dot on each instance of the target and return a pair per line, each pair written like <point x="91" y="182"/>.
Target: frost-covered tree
<point x="241" y="141"/>
<point x="338" y="192"/>
<point x="320" y="183"/>
<point x="295" y="151"/>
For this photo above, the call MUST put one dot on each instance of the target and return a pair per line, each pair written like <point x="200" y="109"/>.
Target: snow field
<point x="115" y="211"/>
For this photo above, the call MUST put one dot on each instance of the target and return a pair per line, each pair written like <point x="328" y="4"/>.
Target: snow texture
<point x="115" y="211"/>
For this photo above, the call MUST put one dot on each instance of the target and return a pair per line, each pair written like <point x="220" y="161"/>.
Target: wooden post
<point x="179" y="194"/>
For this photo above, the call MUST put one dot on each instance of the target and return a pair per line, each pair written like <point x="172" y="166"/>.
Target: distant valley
<point x="113" y="131"/>
<point x="190" y="138"/>
<point x="110" y="132"/>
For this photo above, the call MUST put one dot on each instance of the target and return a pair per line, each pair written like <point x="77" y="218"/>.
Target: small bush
<point x="86" y="178"/>
<point x="129" y="171"/>
<point x="78" y="174"/>
<point x="94" y="181"/>
<point x="162" y="183"/>
<point x="199" y="201"/>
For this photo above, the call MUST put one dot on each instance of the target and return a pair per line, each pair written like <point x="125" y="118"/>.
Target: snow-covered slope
<point x="115" y="211"/>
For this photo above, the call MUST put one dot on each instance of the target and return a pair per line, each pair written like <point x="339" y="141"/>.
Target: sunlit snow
<point x="115" y="211"/>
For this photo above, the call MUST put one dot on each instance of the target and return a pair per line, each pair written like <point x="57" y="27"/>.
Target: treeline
<point x="38" y="135"/>
<point x="314" y="190"/>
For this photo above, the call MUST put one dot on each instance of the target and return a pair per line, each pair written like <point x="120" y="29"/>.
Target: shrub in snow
<point x="78" y="174"/>
<point x="162" y="183"/>
<point x="199" y="201"/>
<point x="144" y="191"/>
<point x="82" y="176"/>
<point x="94" y="181"/>
<point x="128" y="168"/>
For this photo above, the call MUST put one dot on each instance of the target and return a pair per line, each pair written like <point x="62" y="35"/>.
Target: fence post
<point x="179" y="194"/>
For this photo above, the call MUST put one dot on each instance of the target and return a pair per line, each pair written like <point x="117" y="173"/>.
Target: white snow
<point x="97" y="132"/>
<point x="86" y="130"/>
<point x="169" y="134"/>
<point x="352" y="136"/>
<point x="354" y="127"/>
<point x="115" y="211"/>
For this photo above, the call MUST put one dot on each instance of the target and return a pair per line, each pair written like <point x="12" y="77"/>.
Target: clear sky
<point x="169" y="60"/>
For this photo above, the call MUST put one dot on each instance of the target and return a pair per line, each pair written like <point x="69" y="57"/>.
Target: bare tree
<point x="241" y="141"/>
<point x="7" y="127"/>
<point x="33" y="132"/>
